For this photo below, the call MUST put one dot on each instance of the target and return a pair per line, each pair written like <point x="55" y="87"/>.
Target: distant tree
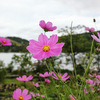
<point x="23" y="62"/>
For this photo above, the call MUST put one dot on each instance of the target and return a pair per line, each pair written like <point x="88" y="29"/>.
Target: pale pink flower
<point x="95" y="37"/>
<point x="90" y="75"/>
<point x="36" y="84"/>
<point x="44" y="47"/>
<point x="85" y="90"/>
<point x="60" y="76"/>
<point x="47" y="80"/>
<point x="95" y="75"/>
<point x="98" y="76"/>
<point x="47" y="26"/>
<point x="18" y="95"/>
<point x="97" y="81"/>
<point x="89" y="81"/>
<point x="46" y="74"/>
<point x="42" y="96"/>
<point x="33" y="94"/>
<point x="98" y="49"/>
<point x="25" y="78"/>
<point x="89" y="29"/>
<point x="71" y="97"/>
<point x="37" y="94"/>
<point x="5" y="42"/>
<point x="98" y="89"/>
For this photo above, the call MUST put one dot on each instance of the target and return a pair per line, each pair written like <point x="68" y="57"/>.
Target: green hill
<point x="81" y="43"/>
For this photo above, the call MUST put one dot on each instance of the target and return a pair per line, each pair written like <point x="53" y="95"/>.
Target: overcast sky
<point x="21" y="17"/>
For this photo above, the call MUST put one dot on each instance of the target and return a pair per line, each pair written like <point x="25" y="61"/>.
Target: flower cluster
<point x="94" y="83"/>
<point x="43" y="48"/>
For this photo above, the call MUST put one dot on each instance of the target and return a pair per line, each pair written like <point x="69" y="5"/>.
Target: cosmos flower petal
<point x="55" y="52"/>
<point x="42" y="24"/>
<point x="53" y="28"/>
<point x="34" y="43"/>
<point x="48" y="25"/>
<point x="66" y="78"/>
<point x="98" y="34"/>
<point x="95" y="38"/>
<point x="25" y="92"/>
<point x="18" y="92"/>
<point x="28" y="97"/>
<point x="87" y="28"/>
<point x="53" y="40"/>
<point x="59" y="45"/>
<point x="41" y="75"/>
<point x="33" y="49"/>
<point x="64" y="75"/>
<point x="92" y="29"/>
<point x="38" y="55"/>
<point x="43" y="39"/>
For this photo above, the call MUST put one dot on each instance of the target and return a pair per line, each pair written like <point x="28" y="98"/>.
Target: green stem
<point x="90" y="61"/>
<point x="91" y="47"/>
<point x="68" y="90"/>
<point x="72" y="51"/>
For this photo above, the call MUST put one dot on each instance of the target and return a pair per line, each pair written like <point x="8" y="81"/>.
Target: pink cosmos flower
<point x="44" y="47"/>
<point x="71" y="97"/>
<point x="25" y="78"/>
<point x="36" y="84"/>
<point x="46" y="74"/>
<point x="95" y="38"/>
<point x="5" y="42"/>
<point x="62" y="77"/>
<point x="47" y="80"/>
<point x="97" y="81"/>
<point x="47" y="26"/>
<point x="89" y="81"/>
<point x="18" y="95"/>
<point x="98" y="76"/>
<point x="89" y="29"/>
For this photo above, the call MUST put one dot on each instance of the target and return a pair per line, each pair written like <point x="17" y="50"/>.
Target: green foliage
<point x="81" y="42"/>
<point x="10" y="67"/>
<point x="3" y="73"/>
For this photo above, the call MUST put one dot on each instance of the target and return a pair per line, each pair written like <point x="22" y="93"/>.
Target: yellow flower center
<point x="60" y="76"/>
<point x="20" y="98"/>
<point x="4" y="41"/>
<point x="24" y="78"/>
<point x="46" y="48"/>
<point x="72" y="99"/>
